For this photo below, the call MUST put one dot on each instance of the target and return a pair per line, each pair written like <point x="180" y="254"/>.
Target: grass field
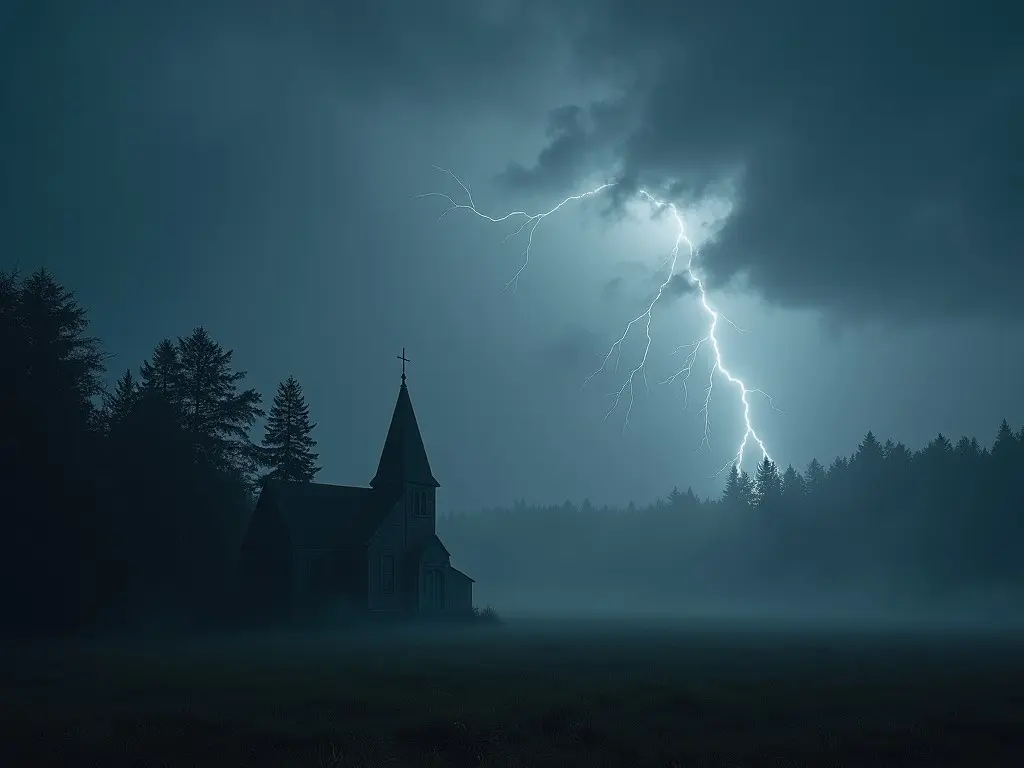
<point x="526" y="694"/>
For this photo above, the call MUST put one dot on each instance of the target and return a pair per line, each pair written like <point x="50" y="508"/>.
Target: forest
<point x="127" y="506"/>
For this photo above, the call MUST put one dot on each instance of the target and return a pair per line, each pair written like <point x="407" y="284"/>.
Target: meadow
<point x="529" y="693"/>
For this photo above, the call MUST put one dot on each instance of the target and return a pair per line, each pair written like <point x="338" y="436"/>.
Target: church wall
<point x="433" y="558"/>
<point x="460" y="593"/>
<point x="389" y="541"/>
<point x="324" y="581"/>
<point x="265" y="567"/>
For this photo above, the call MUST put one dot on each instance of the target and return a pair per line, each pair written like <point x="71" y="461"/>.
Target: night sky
<point x="853" y="172"/>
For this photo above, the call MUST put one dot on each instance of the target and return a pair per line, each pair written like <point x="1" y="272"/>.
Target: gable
<point x="266" y="528"/>
<point x="429" y="546"/>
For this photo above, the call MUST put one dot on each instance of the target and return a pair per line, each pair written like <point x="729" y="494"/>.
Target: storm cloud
<point x="254" y="167"/>
<point x="875" y="148"/>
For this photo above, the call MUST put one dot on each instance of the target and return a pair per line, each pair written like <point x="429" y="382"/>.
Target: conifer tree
<point x="869" y="456"/>
<point x="56" y="355"/>
<point x="214" y="413"/>
<point x="767" y="484"/>
<point x="747" y="488"/>
<point x="288" y="445"/>
<point x="793" y="487"/>
<point x="1004" y="443"/>
<point x="118" y="405"/>
<point x="733" y="493"/>
<point x="162" y="373"/>
<point x="52" y="371"/>
<point x="675" y="498"/>
<point x="815" y="477"/>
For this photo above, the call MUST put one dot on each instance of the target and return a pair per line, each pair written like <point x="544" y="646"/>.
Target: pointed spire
<point x="404" y="459"/>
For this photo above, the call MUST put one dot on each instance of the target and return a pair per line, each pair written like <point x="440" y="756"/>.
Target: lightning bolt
<point x="638" y="373"/>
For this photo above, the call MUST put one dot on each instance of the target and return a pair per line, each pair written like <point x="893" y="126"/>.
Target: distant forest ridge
<point x="792" y="483"/>
<point x="944" y="522"/>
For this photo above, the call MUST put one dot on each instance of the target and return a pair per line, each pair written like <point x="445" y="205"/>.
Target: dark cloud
<point x="438" y="54"/>
<point x="876" y="147"/>
<point x="578" y="139"/>
<point x="575" y="349"/>
<point x="679" y="285"/>
<point x="613" y="288"/>
<point x="563" y="158"/>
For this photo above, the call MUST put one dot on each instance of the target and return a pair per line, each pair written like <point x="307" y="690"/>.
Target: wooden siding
<point x="460" y="592"/>
<point x="390" y="539"/>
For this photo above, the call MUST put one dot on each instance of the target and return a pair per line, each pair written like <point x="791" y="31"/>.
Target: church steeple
<point x="404" y="459"/>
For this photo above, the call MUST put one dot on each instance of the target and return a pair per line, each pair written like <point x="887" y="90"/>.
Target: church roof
<point x="416" y="551"/>
<point x="317" y="514"/>
<point x="460" y="573"/>
<point x="404" y="459"/>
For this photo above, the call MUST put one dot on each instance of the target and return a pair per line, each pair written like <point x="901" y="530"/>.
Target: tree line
<point x="127" y="505"/>
<point x="130" y="505"/>
<point x="887" y="522"/>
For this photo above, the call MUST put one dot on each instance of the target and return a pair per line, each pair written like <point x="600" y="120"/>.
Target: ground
<point x="524" y="694"/>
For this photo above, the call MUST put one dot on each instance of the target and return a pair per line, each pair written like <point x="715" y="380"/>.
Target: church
<point x="315" y="549"/>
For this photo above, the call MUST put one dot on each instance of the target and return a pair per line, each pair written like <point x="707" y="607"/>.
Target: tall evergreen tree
<point x="118" y="405"/>
<point x="52" y="371"/>
<point x="815" y="477"/>
<point x="288" y="444"/>
<point x="733" y="493"/>
<point x="1004" y="445"/>
<point x="215" y="414"/>
<point x="747" y="489"/>
<point x="767" y="484"/>
<point x="966" y="448"/>
<point x="162" y="372"/>
<point x="675" y="498"/>
<point x="793" y="488"/>
<point x="869" y="456"/>
<point x="59" y="360"/>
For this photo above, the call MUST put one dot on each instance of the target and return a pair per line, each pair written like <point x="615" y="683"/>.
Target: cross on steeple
<point x="404" y="360"/>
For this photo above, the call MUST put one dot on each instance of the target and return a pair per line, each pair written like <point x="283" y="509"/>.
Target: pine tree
<point x="287" y="444"/>
<point x="898" y="460"/>
<point x="869" y="456"/>
<point x="57" y="358"/>
<point x="938" y="451"/>
<point x="162" y="374"/>
<point x="119" y="405"/>
<point x="793" y="488"/>
<point x="767" y="484"/>
<point x="675" y="498"/>
<point x="816" y="477"/>
<point x="838" y="468"/>
<point x="215" y="414"/>
<point x="52" y="370"/>
<point x="747" y="489"/>
<point x="733" y="493"/>
<point x="1005" y="442"/>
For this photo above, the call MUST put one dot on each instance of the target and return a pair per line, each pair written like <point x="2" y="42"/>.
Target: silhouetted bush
<point x="487" y="615"/>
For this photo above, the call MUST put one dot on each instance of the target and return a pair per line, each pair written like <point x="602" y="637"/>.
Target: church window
<point x="419" y="504"/>
<point x="387" y="574"/>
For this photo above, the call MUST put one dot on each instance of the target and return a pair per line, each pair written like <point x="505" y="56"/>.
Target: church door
<point x="435" y="589"/>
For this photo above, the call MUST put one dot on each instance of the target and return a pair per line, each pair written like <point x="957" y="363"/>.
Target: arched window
<point x="420" y="506"/>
